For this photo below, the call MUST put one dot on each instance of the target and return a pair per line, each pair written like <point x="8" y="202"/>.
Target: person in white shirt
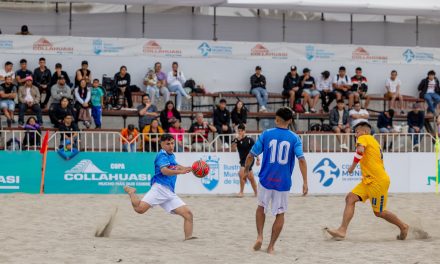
<point x="325" y="87"/>
<point x="176" y="80"/>
<point x="342" y="85"/>
<point x="7" y="71"/>
<point x="392" y="87"/>
<point x="357" y="114"/>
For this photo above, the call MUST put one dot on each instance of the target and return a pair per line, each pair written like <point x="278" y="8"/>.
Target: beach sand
<point x="61" y="228"/>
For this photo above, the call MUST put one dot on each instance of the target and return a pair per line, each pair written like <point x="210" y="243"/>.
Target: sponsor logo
<point x="9" y="182"/>
<point x="206" y="50"/>
<point x="43" y="44"/>
<point x="212" y="179"/>
<point x="262" y="51"/>
<point x="152" y="47"/>
<point x="6" y="44"/>
<point x="362" y="54"/>
<point x="327" y="171"/>
<point x="409" y="55"/>
<point x="313" y="53"/>
<point x="101" y="47"/>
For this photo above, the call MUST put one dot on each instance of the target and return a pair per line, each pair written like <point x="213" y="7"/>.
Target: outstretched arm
<point x="169" y="172"/>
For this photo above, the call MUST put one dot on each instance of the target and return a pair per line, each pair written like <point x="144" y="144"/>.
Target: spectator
<point x="258" y="88"/>
<point x="8" y="92"/>
<point x="97" y="100"/>
<point x="342" y="86"/>
<point x="7" y="71"/>
<point x="24" y="31"/>
<point x="82" y="103"/>
<point x="161" y="77"/>
<point x="122" y="82"/>
<point x="178" y="132"/>
<point x="152" y="133"/>
<point x="61" y="110"/>
<point x="67" y="151"/>
<point x="42" y="79"/>
<point x="326" y="89"/>
<point x="146" y="111"/>
<point x="392" y="86"/>
<point x="430" y="91"/>
<point x="32" y="137"/>
<point x="358" y="114"/>
<point x="60" y="90"/>
<point x="175" y="81"/>
<point x="416" y="119"/>
<point x="310" y="93"/>
<point x="29" y="97"/>
<point x="385" y="125"/>
<point x="340" y="123"/>
<point x="167" y="113"/>
<point x="222" y="120"/>
<point x="360" y="87"/>
<point x="202" y="128"/>
<point x="20" y="75"/>
<point x="239" y="114"/>
<point x="291" y="87"/>
<point x="83" y="73"/>
<point x="129" y="137"/>
<point x="58" y="73"/>
<point x="69" y="138"/>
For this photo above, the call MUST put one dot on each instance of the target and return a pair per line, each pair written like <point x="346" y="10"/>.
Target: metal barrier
<point x="18" y="140"/>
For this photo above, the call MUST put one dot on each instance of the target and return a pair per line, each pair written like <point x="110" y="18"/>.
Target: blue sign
<point x="409" y="55"/>
<point x="101" y="47"/>
<point x="212" y="179"/>
<point x="313" y="53"/>
<point x="20" y="171"/>
<point x="327" y="171"/>
<point x="205" y="49"/>
<point x="6" y="44"/>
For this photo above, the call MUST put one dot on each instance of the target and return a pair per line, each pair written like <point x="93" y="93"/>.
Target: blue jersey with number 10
<point x="279" y="147"/>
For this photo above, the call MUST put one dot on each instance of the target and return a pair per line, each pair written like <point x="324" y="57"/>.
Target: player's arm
<point x="303" y="168"/>
<point x="183" y="168"/>
<point x="357" y="157"/>
<point x="248" y="163"/>
<point x="170" y="172"/>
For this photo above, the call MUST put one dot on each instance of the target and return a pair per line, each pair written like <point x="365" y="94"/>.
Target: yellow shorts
<point x="377" y="192"/>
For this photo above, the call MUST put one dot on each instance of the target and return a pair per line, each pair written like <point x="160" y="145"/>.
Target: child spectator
<point x="32" y="136"/>
<point x="97" y="100"/>
<point x="67" y="151"/>
<point x="129" y="136"/>
<point x="177" y="131"/>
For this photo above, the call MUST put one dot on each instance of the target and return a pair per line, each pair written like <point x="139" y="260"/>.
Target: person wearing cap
<point x="129" y="136"/>
<point x="416" y="120"/>
<point x="360" y="87"/>
<point x="57" y="73"/>
<point x="83" y="73"/>
<point x="342" y="86"/>
<point x="29" y="97"/>
<point x="7" y="71"/>
<point x="42" y="79"/>
<point x="222" y="121"/>
<point x="8" y="92"/>
<point x="429" y="89"/>
<point x="258" y="88"/>
<point x="60" y="90"/>
<point x="291" y="87"/>
<point x="325" y="87"/>
<point x="67" y="151"/>
<point x="24" y="31"/>
<point x="310" y="93"/>
<point x="22" y="73"/>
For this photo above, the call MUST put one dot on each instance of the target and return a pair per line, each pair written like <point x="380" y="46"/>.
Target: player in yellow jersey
<point x="374" y="185"/>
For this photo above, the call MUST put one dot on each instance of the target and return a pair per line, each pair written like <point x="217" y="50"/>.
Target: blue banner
<point x="20" y="171"/>
<point x="99" y="172"/>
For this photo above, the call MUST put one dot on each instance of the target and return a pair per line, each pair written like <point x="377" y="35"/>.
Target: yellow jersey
<point x="372" y="166"/>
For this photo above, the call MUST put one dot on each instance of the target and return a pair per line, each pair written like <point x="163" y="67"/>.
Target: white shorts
<point x="163" y="196"/>
<point x="277" y="200"/>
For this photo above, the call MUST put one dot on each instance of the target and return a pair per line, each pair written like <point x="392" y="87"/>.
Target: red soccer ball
<point x="200" y="168"/>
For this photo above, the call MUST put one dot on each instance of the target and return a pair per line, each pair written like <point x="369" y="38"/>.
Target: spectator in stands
<point x="161" y="77"/>
<point x="97" y="100"/>
<point x="222" y="120"/>
<point x="177" y="131"/>
<point x="360" y="87"/>
<point x="60" y="90"/>
<point x="416" y="119"/>
<point x="8" y="92"/>
<point x="42" y="78"/>
<point x="129" y="137"/>
<point x="358" y="114"/>
<point x="291" y="87"/>
<point x="326" y="89"/>
<point x="430" y="91"/>
<point x="310" y="93"/>
<point x="67" y="150"/>
<point x="59" y="72"/>
<point x="20" y="75"/>
<point x="60" y="111"/>
<point x="152" y="133"/>
<point x="29" y="97"/>
<point x="385" y="125"/>
<point x="82" y="103"/>
<point x="122" y="82"/>
<point x="7" y="71"/>
<point x="155" y="87"/>
<point x="167" y="113"/>
<point x="342" y="86"/>
<point x="202" y="128"/>
<point x="175" y="81"/>
<point x="258" y="88"/>
<point x="32" y="137"/>
<point x="392" y="87"/>
<point x="146" y="111"/>
<point x="24" y="31"/>
<point x="83" y="73"/>
<point x="69" y="138"/>
<point x="239" y="115"/>
<point x="339" y="121"/>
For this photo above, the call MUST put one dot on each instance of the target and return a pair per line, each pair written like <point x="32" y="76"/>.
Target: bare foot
<point x="240" y="195"/>
<point x="258" y="243"/>
<point x="403" y="233"/>
<point x="129" y="189"/>
<point x="336" y="234"/>
<point x="270" y="250"/>
<point x="190" y="238"/>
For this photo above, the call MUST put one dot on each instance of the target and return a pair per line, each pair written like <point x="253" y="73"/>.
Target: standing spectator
<point x="177" y="131"/>
<point x="60" y="90"/>
<point x="97" y="100"/>
<point x="430" y="91"/>
<point x="42" y="78"/>
<point x="339" y="121"/>
<point x="146" y="111"/>
<point x="360" y="87"/>
<point x="342" y="86"/>
<point x="8" y="92"/>
<point x="392" y="86"/>
<point x="291" y="87"/>
<point x="258" y="88"/>
<point x="326" y="89"/>
<point x="20" y="75"/>
<point x="358" y="114"/>
<point x="152" y="133"/>
<point x="82" y="103"/>
<point x="7" y="71"/>
<point x="176" y="80"/>
<point x="129" y="136"/>
<point x="83" y="73"/>
<point x="167" y="113"/>
<point x="60" y="111"/>
<point x="202" y="128"/>
<point x="239" y="114"/>
<point x="29" y="97"/>
<point x="59" y="72"/>
<point x="32" y="137"/>
<point x="385" y="125"/>
<point x="222" y="120"/>
<point x="122" y="82"/>
<point x="310" y="93"/>
<point x="416" y="119"/>
<point x="24" y="31"/>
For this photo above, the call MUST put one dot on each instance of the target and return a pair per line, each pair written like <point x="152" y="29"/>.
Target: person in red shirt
<point x="202" y="129"/>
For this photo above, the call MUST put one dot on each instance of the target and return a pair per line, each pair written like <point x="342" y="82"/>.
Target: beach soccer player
<point x="244" y="144"/>
<point x="374" y="185"/>
<point x="279" y="146"/>
<point x="162" y="192"/>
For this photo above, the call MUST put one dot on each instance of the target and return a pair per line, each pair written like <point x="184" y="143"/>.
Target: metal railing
<point x="18" y="140"/>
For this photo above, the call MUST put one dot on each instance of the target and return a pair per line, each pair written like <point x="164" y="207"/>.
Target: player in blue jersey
<point x="162" y="192"/>
<point x="279" y="146"/>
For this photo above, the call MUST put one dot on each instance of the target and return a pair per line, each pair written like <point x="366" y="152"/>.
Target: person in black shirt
<point x="21" y="74"/>
<point x="416" y="120"/>
<point x="167" y="113"/>
<point x="83" y="73"/>
<point x="8" y="92"/>
<point x="42" y="79"/>
<point x="61" y="110"/>
<point x="58" y="73"/>
<point x="68" y="127"/>
<point x="239" y="114"/>
<point x="291" y="86"/>
<point x="244" y="144"/>
<point x="122" y="82"/>
<point x="222" y="120"/>
<point x="258" y="88"/>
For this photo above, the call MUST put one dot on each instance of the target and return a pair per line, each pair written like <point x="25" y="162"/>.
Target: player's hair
<point x="241" y="126"/>
<point x="285" y="113"/>
<point x="363" y="124"/>
<point x="166" y="137"/>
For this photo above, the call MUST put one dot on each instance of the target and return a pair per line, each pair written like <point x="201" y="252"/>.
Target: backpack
<point x="337" y="78"/>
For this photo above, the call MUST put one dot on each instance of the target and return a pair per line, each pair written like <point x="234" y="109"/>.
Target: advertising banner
<point x="20" y="171"/>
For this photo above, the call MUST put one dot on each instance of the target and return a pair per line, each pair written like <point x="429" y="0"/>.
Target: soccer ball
<point x="200" y="168"/>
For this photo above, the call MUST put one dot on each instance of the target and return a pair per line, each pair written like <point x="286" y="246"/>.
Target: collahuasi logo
<point x="260" y="50"/>
<point x="42" y="44"/>
<point x="152" y="47"/>
<point x="211" y="180"/>
<point x="363" y="55"/>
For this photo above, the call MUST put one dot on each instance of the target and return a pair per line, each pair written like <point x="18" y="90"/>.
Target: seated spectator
<point x="69" y="132"/>
<point x="8" y="92"/>
<point x="7" y="71"/>
<point x="222" y="120"/>
<point x="175" y="81"/>
<point x="32" y="137"/>
<point x="42" y="79"/>
<point x="167" y="113"/>
<point x="392" y="86"/>
<point x="342" y="86"/>
<point x="97" y="99"/>
<point x="122" y="82"/>
<point x="154" y="88"/>
<point x="146" y="112"/>
<point x="58" y="73"/>
<point x="177" y="131"/>
<point x="162" y="81"/>
<point x="326" y="89"/>
<point x="358" y="114"/>
<point x="385" y="125"/>
<point x="129" y="137"/>
<point x="83" y="73"/>
<point x="60" y="90"/>
<point x="29" y="97"/>
<point x="310" y="93"/>
<point x="152" y="133"/>
<point x="258" y="88"/>
<point x="82" y="103"/>
<point x="239" y="115"/>
<point x="416" y="119"/>
<point x="202" y="128"/>
<point x="20" y="75"/>
<point x="429" y="90"/>
<point x="60" y="111"/>
<point x="291" y="87"/>
<point x="360" y="87"/>
<point x="24" y="31"/>
<point x="339" y="121"/>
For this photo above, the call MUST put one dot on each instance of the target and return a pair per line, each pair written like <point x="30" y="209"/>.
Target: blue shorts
<point x="10" y="104"/>
<point x="311" y="92"/>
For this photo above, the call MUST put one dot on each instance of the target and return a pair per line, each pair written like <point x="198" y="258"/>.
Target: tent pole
<point x="417" y="30"/>
<point x="143" y="21"/>
<point x="56" y="7"/>
<point x="351" y="28"/>
<point x="284" y="26"/>
<point x="214" y="37"/>
<point x="70" y="18"/>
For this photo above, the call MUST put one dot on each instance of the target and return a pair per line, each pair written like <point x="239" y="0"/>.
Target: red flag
<point x="45" y="143"/>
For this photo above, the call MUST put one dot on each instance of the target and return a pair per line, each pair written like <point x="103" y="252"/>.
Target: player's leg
<point x="276" y="230"/>
<point x="139" y="206"/>
<point x="260" y="218"/>
<point x="393" y="219"/>
<point x="279" y="207"/>
<point x="251" y="179"/>
<point x="242" y="181"/>
<point x="187" y="215"/>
